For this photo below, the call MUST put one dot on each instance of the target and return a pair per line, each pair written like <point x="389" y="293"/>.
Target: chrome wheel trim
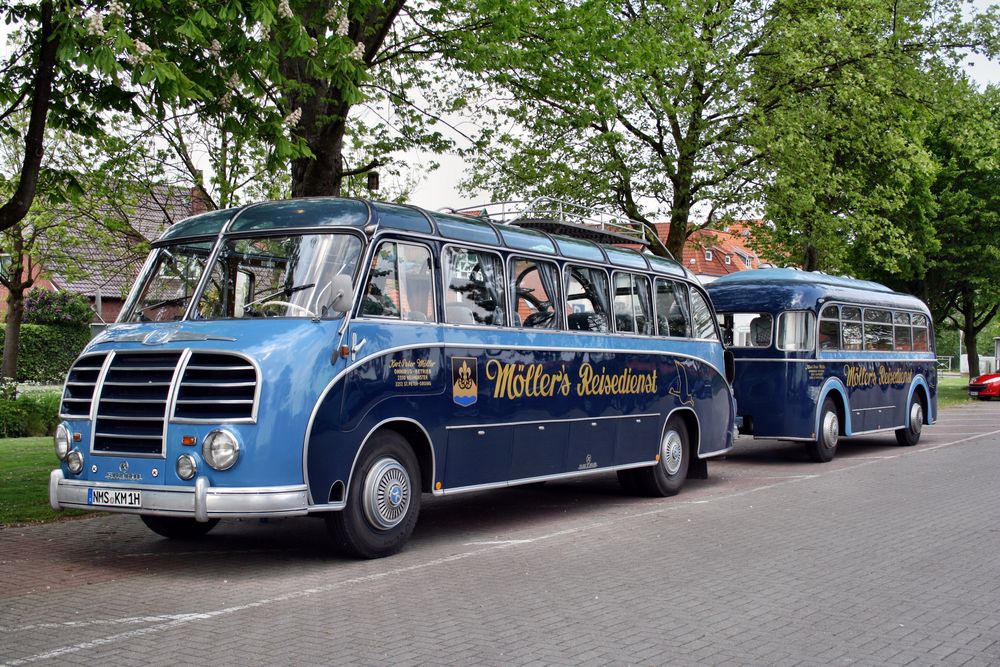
<point x="830" y="430"/>
<point x="671" y="452"/>
<point x="916" y="418"/>
<point x="386" y="494"/>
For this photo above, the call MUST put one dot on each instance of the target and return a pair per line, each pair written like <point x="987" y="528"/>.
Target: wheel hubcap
<point x="831" y="429"/>
<point x="672" y="452"/>
<point x="386" y="494"/>
<point x="916" y="418"/>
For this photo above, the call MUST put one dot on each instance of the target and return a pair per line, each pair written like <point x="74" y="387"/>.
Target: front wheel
<point x="910" y="435"/>
<point x="824" y="447"/>
<point x="383" y="500"/>
<point x="667" y="477"/>
<point x="178" y="528"/>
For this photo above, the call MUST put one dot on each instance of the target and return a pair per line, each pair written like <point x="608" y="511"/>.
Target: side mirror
<point x="342" y="294"/>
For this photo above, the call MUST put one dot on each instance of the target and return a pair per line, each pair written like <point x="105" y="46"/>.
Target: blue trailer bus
<point x="339" y="357"/>
<point x="819" y="357"/>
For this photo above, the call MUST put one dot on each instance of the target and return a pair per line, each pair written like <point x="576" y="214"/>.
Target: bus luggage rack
<point x="562" y="217"/>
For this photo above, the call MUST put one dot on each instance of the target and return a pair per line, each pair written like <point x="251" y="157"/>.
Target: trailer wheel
<point x="910" y="435"/>
<point x="824" y="447"/>
<point x="177" y="527"/>
<point x="383" y="500"/>
<point x="667" y="477"/>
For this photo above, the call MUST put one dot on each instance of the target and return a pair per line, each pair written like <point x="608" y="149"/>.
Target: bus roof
<point x="319" y="212"/>
<point x="776" y="290"/>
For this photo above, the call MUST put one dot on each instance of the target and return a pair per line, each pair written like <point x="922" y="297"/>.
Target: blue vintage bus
<point x="819" y="357"/>
<point x="339" y="357"/>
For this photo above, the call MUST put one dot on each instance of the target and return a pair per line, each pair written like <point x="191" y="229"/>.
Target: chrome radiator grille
<point x="134" y="396"/>
<point x="132" y="403"/>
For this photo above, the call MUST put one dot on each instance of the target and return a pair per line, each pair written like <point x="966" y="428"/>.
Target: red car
<point x="985" y="387"/>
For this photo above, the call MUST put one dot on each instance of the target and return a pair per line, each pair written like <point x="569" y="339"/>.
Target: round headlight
<point x="187" y="467"/>
<point x="220" y="450"/>
<point x="74" y="461"/>
<point x="62" y="441"/>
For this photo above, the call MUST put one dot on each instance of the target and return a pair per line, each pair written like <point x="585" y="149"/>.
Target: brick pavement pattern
<point x="885" y="556"/>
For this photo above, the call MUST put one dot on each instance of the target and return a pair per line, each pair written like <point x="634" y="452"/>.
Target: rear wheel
<point x="667" y="477"/>
<point x="177" y="527"/>
<point x="910" y="435"/>
<point x="383" y="500"/>
<point x="824" y="447"/>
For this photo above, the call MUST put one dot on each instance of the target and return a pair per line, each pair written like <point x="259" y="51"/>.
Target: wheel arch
<point x="919" y="389"/>
<point x="417" y="438"/>
<point x="693" y="426"/>
<point x="836" y="391"/>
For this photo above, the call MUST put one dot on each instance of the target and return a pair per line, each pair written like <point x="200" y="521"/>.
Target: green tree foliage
<point x="848" y="173"/>
<point x="667" y="109"/>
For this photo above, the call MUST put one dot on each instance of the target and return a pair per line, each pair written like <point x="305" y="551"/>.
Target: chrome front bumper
<point x="201" y="502"/>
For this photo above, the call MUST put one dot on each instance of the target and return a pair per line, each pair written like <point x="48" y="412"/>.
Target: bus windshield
<point x="278" y="276"/>
<point x="169" y="285"/>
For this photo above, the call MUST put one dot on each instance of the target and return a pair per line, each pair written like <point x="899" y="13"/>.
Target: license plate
<point x="973" y="393"/>
<point x="114" y="498"/>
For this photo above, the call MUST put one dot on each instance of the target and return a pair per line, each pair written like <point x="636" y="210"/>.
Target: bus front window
<point x="168" y="287"/>
<point x="278" y="276"/>
<point x="746" y="329"/>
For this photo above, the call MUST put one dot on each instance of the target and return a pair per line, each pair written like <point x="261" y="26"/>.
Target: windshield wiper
<point x="166" y="302"/>
<point x="285" y="291"/>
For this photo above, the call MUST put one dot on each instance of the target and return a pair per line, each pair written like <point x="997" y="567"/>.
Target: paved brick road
<point x="887" y="555"/>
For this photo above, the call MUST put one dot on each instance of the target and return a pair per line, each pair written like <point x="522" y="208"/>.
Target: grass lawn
<point x="25" y="464"/>
<point x="953" y="390"/>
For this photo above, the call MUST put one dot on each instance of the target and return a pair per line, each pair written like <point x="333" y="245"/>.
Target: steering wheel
<point x="288" y="304"/>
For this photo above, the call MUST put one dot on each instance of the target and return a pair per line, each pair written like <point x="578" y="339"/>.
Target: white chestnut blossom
<point x="343" y="25"/>
<point x="215" y="48"/>
<point x="292" y="119"/>
<point x="116" y="9"/>
<point x="358" y="52"/>
<point x="284" y="9"/>
<point x="95" y="25"/>
<point x="139" y="53"/>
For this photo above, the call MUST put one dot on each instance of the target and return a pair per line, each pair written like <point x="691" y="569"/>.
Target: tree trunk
<point x="12" y="333"/>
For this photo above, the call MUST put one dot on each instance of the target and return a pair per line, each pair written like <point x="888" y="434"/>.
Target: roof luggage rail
<point x="562" y="217"/>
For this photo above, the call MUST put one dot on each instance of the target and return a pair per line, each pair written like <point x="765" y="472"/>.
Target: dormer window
<point x="729" y="260"/>
<point x="708" y="255"/>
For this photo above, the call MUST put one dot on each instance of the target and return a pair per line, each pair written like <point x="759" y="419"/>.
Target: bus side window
<point x="920" y="343"/>
<point x="902" y="335"/>
<point x="586" y="299"/>
<point x="829" y="328"/>
<point x="878" y="329"/>
<point x="535" y="287"/>
<point x="673" y="316"/>
<point x="850" y="329"/>
<point x="473" y="288"/>
<point x="399" y="283"/>
<point x="633" y="311"/>
<point x="703" y="320"/>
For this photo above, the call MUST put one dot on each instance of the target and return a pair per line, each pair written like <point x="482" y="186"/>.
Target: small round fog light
<point x="74" y="461"/>
<point x="187" y="467"/>
<point x="62" y="441"/>
<point x="220" y="450"/>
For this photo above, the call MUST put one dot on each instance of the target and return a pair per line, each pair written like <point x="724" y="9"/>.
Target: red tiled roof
<point x="718" y="244"/>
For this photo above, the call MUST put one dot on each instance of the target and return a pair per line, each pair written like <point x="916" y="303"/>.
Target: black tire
<point x="910" y="435"/>
<point x="824" y="447"/>
<point x="178" y="527"/>
<point x="667" y="477"/>
<point x="383" y="500"/>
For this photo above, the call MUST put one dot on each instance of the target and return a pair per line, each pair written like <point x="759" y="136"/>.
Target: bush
<point x="46" y="351"/>
<point x="62" y="308"/>
<point x="31" y="414"/>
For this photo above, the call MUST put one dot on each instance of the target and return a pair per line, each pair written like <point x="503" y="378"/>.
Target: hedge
<point x="46" y="351"/>
<point x="33" y="413"/>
